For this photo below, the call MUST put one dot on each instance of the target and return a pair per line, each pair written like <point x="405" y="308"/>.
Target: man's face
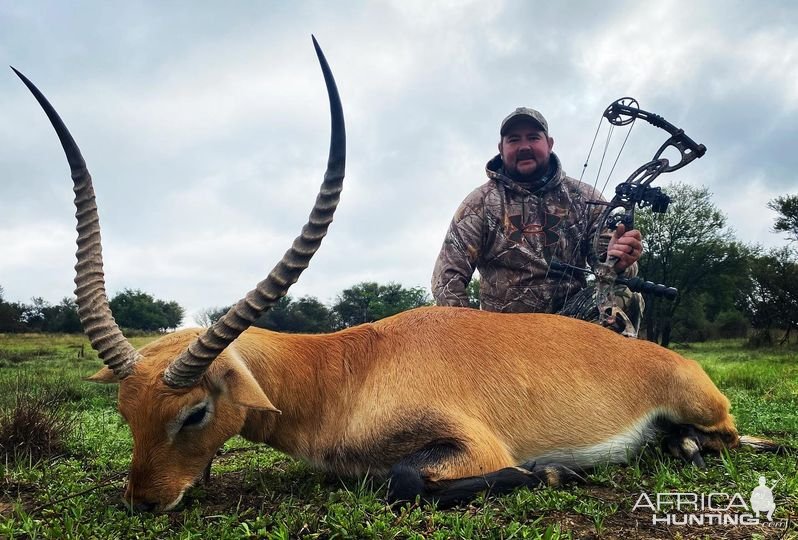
<point x="525" y="150"/>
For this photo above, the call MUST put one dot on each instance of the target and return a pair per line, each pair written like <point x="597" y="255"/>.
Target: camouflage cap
<point x="526" y="113"/>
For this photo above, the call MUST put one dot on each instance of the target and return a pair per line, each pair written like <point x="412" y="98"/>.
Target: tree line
<point x="361" y="303"/>
<point x="726" y="287"/>
<point x="139" y="311"/>
<point x="132" y="309"/>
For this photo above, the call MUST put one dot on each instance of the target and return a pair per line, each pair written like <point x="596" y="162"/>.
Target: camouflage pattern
<point x="510" y="234"/>
<point x="582" y="305"/>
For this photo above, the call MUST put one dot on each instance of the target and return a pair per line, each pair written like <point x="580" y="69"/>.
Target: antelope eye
<point x="196" y="417"/>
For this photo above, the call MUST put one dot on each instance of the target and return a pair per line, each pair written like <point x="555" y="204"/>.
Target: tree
<point x="39" y="316"/>
<point x="472" y="290"/>
<point x="35" y="314"/>
<point x="10" y="315"/>
<point x="172" y="314"/>
<point x="62" y="317"/>
<point x="138" y="310"/>
<point x="689" y="248"/>
<point x="773" y="298"/>
<point x="369" y="302"/>
<point x="306" y="315"/>
<point x="787" y="221"/>
<point x="313" y="316"/>
<point x="206" y="317"/>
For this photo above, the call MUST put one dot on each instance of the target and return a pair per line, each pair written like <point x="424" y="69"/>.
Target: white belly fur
<point x="617" y="449"/>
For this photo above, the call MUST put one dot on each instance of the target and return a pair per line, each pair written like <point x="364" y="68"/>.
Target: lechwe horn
<point x="187" y="369"/>
<point x="93" y="309"/>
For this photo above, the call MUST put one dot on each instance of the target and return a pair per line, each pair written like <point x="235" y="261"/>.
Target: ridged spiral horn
<point x="187" y="369"/>
<point x="95" y="314"/>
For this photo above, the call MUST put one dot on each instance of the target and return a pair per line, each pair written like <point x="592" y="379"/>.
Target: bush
<point x="731" y="324"/>
<point x="35" y="425"/>
<point x="760" y="338"/>
<point x="692" y="327"/>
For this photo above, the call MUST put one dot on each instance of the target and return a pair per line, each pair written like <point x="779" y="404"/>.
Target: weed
<point x="597" y="510"/>
<point x="24" y="355"/>
<point x="37" y="424"/>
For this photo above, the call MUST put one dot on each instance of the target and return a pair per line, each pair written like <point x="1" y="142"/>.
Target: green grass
<point x="256" y="492"/>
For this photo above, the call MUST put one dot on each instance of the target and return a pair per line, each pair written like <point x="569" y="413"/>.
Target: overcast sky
<point x="205" y="125"/>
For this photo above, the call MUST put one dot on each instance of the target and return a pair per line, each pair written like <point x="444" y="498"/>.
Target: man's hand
<point x="626" y="247"/>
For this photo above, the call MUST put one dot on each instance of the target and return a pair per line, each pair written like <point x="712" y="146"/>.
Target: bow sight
<point x="640" y="195"/>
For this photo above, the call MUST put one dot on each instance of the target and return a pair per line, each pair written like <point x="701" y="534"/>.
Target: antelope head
<point x="184" y="395"/>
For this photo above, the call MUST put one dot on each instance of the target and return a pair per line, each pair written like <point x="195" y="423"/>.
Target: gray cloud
<point x="206" y="129"/>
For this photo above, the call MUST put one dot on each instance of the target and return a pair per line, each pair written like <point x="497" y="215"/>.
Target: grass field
<point x="255" y="492"/>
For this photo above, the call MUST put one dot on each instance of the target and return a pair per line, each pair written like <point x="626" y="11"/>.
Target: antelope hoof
<point x="206" y="475"/>
<point x="686" y="444"/>
<point x="552" y="474"/>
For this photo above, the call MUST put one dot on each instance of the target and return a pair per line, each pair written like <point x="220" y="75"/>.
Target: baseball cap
<point x="527" y="113"/>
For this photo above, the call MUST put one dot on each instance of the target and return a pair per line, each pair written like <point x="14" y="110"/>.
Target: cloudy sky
<point x="205" y="127"/>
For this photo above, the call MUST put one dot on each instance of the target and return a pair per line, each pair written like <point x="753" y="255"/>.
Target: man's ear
<point x="104" y="376"/>
<point x="551" y="142"/>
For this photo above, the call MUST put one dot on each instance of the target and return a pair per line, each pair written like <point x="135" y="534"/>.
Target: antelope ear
<point x="243" y="390"/>
<point x="234" y="380"/>
<point x="104" y="376"/>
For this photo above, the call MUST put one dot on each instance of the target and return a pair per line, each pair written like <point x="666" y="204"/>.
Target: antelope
<point x="444" y="402"/>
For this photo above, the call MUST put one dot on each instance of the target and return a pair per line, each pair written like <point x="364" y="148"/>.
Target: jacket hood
<point x="494" y="169"/>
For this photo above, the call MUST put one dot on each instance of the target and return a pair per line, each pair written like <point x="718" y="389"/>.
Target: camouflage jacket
<point x="510" y="235"/>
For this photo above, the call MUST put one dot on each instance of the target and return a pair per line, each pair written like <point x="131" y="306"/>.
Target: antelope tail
<point x="765" y="445"/>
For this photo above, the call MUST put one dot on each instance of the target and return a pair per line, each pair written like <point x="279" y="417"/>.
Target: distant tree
<point x="732" y="323"/>
<point x="773" y="299"/>
<point x="787" y="221"/>
<point x="313" y="316"/>
<point x="689" y="248"/>
<point x="34" y="315"/>
<point x="62" y="317"/>
<point x="369" y="301"/>
<point x="39" y="316"/>
<point x="138" y="310"/>
<point x="277" y="317"/>
<point x="10" y="315"/>
<point x="306" y="315"/>
<point x="206" y="317"/>
<point x="472" y="290"/>
<point x="172" y="314"/>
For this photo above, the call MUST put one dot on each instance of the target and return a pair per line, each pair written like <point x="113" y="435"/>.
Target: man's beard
<point x="531" y="178"/>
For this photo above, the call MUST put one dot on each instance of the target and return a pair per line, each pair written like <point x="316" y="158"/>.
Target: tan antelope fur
<point x="445" y="402"/>
<point x="363" y="399"/>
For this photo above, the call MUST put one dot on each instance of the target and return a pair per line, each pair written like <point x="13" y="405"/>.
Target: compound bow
<point x="635" y="191"/>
